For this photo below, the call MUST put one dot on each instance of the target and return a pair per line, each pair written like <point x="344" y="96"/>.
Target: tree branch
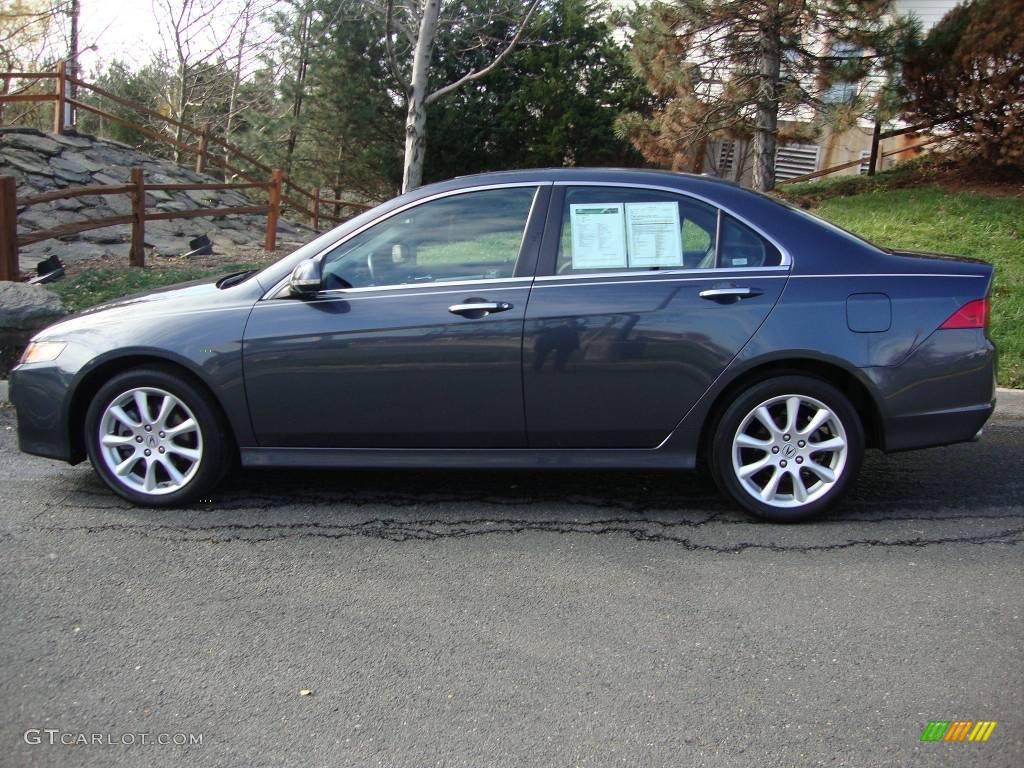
<point x="477" y="74"/>
<point x="389" y="44"/>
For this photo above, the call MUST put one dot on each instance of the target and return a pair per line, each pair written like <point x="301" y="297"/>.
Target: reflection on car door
<point x="616" y="359"/>
<point x="408" y="366"/>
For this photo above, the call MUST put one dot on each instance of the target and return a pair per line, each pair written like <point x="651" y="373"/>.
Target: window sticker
<point x="653" y="233"/>
<point x="598" y="236"/>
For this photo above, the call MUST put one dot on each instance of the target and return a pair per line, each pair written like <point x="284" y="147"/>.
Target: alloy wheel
<point x="789" y="451"/>
<point x="150" y="440"/>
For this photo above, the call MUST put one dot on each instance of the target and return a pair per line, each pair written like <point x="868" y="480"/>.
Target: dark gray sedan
<point x="555" y="318"/>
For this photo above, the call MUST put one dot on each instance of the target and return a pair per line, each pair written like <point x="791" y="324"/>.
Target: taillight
<point x="973" y="314"/>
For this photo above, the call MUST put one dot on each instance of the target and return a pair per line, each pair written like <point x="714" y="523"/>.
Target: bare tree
<point x="251" y="43"/>
<point x="29" y="32"/>
<point x="31" y="39"/>
<point x="195" y="33"/>
<point x="411" y="31"/>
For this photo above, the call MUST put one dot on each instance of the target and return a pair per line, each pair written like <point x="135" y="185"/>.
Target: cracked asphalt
<point x="515" y="619"/>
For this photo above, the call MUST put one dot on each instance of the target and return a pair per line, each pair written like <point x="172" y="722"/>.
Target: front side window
<point x="623" y="229"/>
<point x="469" y="236"/>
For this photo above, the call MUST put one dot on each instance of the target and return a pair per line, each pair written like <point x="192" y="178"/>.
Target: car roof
<point x="652" y="177"/>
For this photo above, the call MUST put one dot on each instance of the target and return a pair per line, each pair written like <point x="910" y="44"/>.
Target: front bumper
<point x="40" y="394"/>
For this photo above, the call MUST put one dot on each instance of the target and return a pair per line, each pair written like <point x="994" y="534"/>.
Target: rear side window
<point x="618" y="229"/>
<point x="623" y="229"/>
<point x="740" y="246"/>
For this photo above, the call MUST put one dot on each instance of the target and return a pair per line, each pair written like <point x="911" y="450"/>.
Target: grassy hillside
<point x="930" y="218"/>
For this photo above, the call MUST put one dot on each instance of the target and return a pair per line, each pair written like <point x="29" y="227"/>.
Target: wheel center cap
<point x="789" y="451"/>
<point x="152" y="441"/>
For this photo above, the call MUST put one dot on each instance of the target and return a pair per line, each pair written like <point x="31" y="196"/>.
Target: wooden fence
<point x="859" y="161"/>
<point x="10" y="241"/>
<point x="201" y="144"/>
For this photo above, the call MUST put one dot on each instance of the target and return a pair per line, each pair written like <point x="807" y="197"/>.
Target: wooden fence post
<point x="316" y="208"/>
<point x="137" y="255"/>
<point x="274" y="210"/>
<point x="204" y="139"/>
<point x="60" y="100"/>
<point x="9" y="269"/>
<point x="873" y="157"/>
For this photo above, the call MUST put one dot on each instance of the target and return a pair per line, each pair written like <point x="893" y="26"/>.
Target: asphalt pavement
<point x="513" y="619"/>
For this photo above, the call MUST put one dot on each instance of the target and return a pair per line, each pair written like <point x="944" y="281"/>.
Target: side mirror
<point x="307" y="278"/>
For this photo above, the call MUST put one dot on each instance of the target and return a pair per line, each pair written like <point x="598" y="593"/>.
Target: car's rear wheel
<point x="788" y="448"/>
<point x="155" y="438"/>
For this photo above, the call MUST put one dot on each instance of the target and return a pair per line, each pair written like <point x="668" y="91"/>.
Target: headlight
<point x="42" y="351"/>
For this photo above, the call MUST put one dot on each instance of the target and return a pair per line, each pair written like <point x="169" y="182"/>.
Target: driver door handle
<point x="725" y="294"/>
<point x="480" y="308"/>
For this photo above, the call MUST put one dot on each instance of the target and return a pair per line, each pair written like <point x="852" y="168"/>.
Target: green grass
<point x="933" y="219"/>
<point x="489" y="249"/>
<point x="96" y="286"/>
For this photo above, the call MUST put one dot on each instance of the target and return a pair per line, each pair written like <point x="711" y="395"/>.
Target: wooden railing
<point x="858" y="161"/>
<point x="201" y="141"/>
<point x="11" y="241"/>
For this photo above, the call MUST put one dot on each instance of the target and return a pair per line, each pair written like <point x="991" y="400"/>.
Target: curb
<point x="1009" y="399"/>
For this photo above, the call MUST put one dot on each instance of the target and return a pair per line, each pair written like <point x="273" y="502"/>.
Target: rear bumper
<point x="933" y="429"/>
<point x="944" y="393"/>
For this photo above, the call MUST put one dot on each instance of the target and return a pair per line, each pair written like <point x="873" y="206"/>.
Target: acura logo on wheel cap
<point x="789" y="450"/>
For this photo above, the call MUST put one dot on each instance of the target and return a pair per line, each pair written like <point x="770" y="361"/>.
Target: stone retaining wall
<point x="42" y="162"/>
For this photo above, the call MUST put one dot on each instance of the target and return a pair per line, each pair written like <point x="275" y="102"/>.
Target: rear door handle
<point x="478" y="309"/>
<point x="727" y="294"/>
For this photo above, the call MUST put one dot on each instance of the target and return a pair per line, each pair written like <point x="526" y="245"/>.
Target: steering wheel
<point x="707" y="261"/>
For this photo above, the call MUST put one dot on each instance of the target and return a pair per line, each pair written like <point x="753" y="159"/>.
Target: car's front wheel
<point x="788" y="448"/>
<point x="155" y="438"/>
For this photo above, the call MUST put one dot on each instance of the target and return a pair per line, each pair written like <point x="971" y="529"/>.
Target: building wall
<point x="928" y="12"/>
<point x="732" y="160"/>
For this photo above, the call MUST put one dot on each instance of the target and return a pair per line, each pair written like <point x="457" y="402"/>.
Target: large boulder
<point x="27" y="307"/>
<point x="24" y="309"/>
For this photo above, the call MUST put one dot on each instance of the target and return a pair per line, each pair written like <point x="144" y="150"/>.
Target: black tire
<point x="845" y="426"/>
<point x="216" y="446"/>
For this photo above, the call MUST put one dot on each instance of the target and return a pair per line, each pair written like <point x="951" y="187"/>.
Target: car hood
<point x="183" y="298"/>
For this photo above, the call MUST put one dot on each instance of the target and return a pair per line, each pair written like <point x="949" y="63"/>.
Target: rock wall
<point x="42" y="162"/>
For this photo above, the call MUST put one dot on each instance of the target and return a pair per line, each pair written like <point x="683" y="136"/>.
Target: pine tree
<point x="740" y="68"/>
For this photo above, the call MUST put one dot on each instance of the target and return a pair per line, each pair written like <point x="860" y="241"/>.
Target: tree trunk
<point x="73" y="70"/>
<point x="236" y="83"/>
<point x="416" y="114"/>
<point x="300" y="89"/>
<point x="179" y="132"/>
<point x="767" y="119"/>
